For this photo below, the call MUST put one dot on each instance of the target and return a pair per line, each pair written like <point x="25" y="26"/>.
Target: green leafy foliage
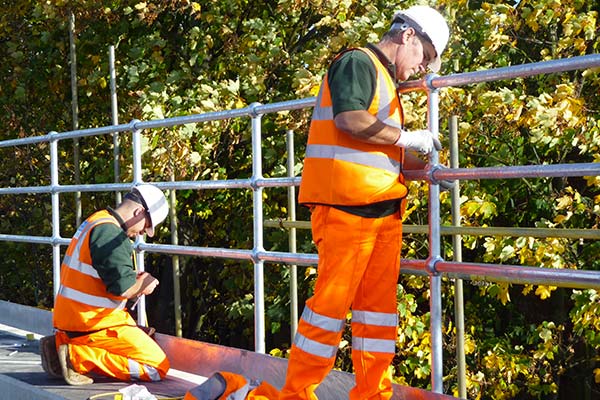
<point x="181" y="57"/>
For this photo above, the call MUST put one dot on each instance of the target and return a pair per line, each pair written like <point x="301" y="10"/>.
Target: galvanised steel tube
<point x="435" y="280"/>
<point x="56" y="261"/>
<point x="446" y="230"/>
<point x="235" y="254"/>
<point x="291" y="193"/>
<point x="252" y="109"/>
<point x="569" y="278"/>
<point x="518" y="71"/>
<point x="66" y="135"/>
<point x="114" y="110"/>
<point x="515" y="71"/>
<point x="26" y="190"/>
<point x="509" y="172"/>
<point x="136" y="144"/>
<point x="522" y="171"/>
<point x="67" y="188"/>
<point x="259" y="272"/>
<point x="285" y="105"/>
<point x="179" y="185"/>
<point x="195" y="118"/>
<point x="162" y="123"/>
<point x="27" y="239"/>
<point x="459" y="309"/>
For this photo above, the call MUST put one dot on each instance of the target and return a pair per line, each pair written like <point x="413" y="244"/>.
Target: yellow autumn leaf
<point x="544" y="291"/>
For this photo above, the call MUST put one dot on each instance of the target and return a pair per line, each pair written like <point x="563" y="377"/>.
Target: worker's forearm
<point x="144" y="284"/>
<point x="366" y="127"/>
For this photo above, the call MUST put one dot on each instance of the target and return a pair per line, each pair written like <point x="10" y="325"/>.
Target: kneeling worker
<point x="94" y="331"/>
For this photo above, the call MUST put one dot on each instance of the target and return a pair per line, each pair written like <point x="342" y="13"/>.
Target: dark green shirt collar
<point x="389" y="65"/>
<point x="117" y="217"/>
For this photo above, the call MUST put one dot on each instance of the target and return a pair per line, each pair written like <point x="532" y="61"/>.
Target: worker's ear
<point x="139" y="210"/>
<point x="407" y="35"/>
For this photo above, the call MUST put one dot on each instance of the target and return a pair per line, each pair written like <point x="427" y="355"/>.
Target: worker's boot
<point x="71" y="376"/>
<point x="49" y="355"/>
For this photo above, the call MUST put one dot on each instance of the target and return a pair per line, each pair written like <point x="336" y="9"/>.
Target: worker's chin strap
<point x="132" y="221"/>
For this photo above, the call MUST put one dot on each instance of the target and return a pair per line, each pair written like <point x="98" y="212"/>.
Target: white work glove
<point x="422" y="141"/>
<point x="445" y="184"/>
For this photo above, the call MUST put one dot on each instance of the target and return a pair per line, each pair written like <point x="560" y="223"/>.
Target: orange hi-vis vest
<point x="341" y="170"/>
<point x="83" y="304"/>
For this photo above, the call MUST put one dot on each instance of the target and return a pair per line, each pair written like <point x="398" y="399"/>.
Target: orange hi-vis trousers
<point x="359" y="263"/>
<point x="123" y="352"/>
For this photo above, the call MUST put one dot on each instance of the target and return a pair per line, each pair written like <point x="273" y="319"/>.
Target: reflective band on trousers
<point x="88" y="299"/>
<point x="134" y="369"/>
<point x="322" y="321"/>
<point x="353" y="156"/>
<point x="152" y="373"/>
<point x="373" y="345"/>
<point x="313" y="347"/>
<point x="374" y="318"/>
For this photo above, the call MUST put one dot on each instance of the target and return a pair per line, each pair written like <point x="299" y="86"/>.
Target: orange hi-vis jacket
<point x="341" y="170"/>
<point x="83" y="304"/>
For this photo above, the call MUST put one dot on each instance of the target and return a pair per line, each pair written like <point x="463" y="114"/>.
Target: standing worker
<point x="94" y="331"/>
<point x="354" y="185"/>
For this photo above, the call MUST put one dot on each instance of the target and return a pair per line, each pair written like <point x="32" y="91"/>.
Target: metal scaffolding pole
<point x="75" y="114"/>
<point x="459" y="309"/>
<point x="292" y="238"/>
<point x="115" y="119"/>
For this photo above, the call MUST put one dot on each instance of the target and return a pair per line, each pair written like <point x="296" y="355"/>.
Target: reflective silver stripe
<point x="152" y="373"/>
<point x="374" y="318"/>
<point x="384" y="98"/>
<point x="239" y="394"/>
<point x="313" y="347"/>
<point x="134" y="369"/>
<point x="322" y="113"/>
<point x="81" y="228"/>
<point x="392" y="122"/>
<point x="157" y="206"/>
<point x="81" y="267"/>
<point x="90" y="300"/>
<point x="73" y="261"/>
<point x="322" y="321"/>
<point x="374" y="345"/>
<point x="354" y="156"/>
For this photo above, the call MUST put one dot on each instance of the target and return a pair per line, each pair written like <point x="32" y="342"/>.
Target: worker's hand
<point x="446" y="185"/>
<point x="148" y="283"/>
<point x="422" y="141"/>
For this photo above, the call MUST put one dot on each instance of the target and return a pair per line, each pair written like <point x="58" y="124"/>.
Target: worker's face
<point x="140" y="223"/>
<point x="413" y="55"/>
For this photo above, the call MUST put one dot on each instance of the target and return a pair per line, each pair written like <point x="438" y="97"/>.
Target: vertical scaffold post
<point x="292" y="237"/>
<point x="136" y="142"/>
<point x="115" y="119"/>
<point x="459" y="309"/>
<point x="434" y="247"/>
<point x="56" y="261"/>
<point x="257" y="193"/>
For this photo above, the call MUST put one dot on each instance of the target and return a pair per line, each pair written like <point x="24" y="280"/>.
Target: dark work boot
<point x="49" y="355"/>
<point x="71" y="376"/>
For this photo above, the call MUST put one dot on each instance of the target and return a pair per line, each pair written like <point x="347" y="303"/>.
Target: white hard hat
<point x="154" y="202"/>
<point x="430" y="24"/>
